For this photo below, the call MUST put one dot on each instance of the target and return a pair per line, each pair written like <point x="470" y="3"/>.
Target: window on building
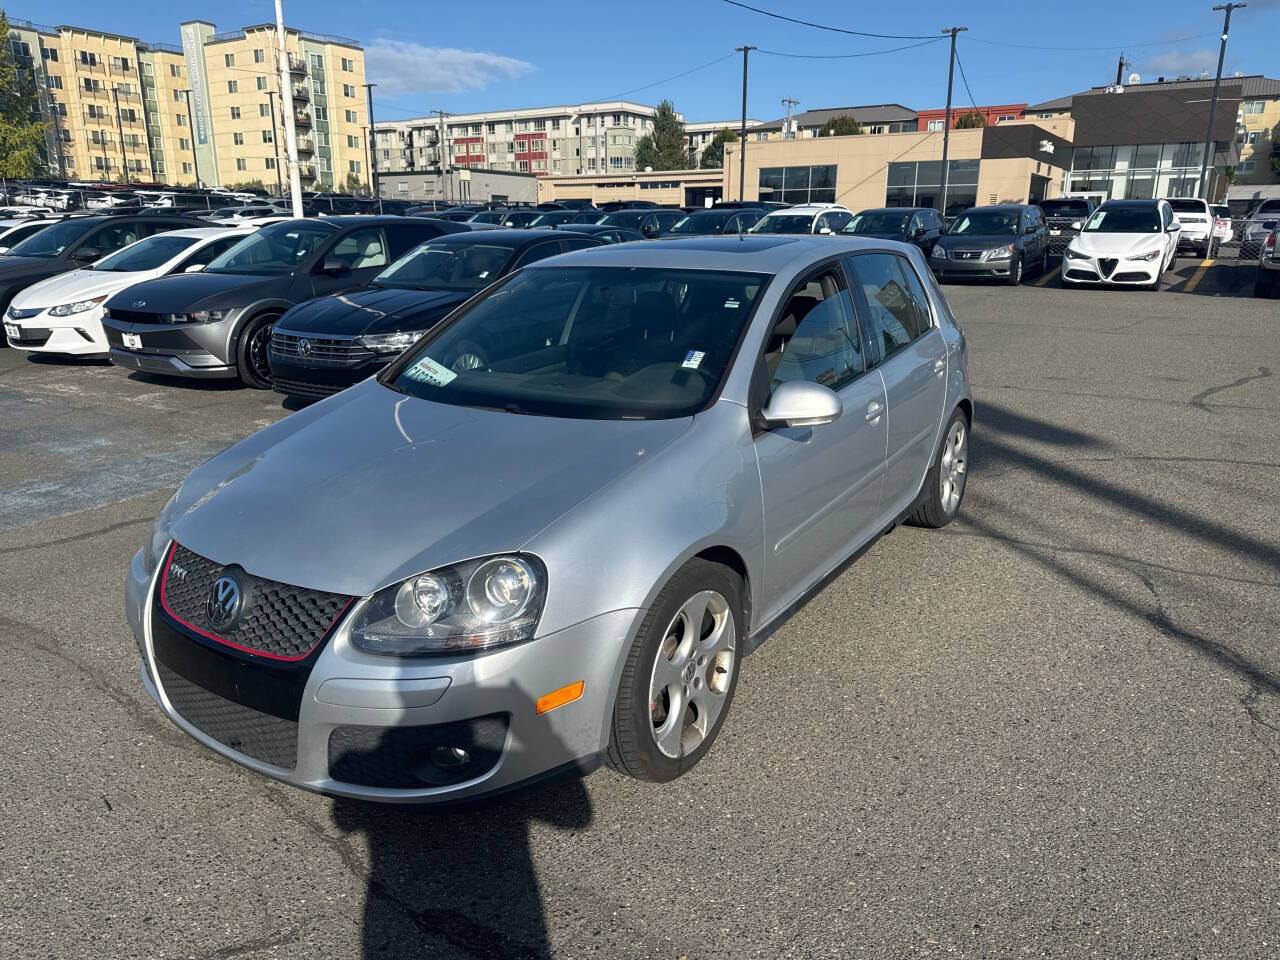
<point x="88" y="59"/>
<point x="348" y="89"/>
<point x="233" y="86"/>
<point x="816" y="184"/>
<point x="186" y="167"/>
<point x="1006" y="117"/>
<point x="354" y="142"/>
<point x="175" y="70"/>
<point x="353" y="166"/>
<point x="264" y="109"/>
<point x="241" y="164"/>
<point x="49" y="53"/>
<point x="268" y="137"/>
<point x="920" y="185"/>
<point x="92" y="84"/>
<point x="55" y="81"/>
<point x="522" y="126"/>
<point x="184" y="143"/>
<point x="1245" y="166"/>
<point x="262" y="83"/>
<point x="523" y="166"/>
<point x="122" y="64"/>
<point x="228" y="59"/>
<point x="321" y="113"/>
<point x="271" y="163"/>
<point x="317" y="61"/>
<point x="351" y="117"/>
<point x="935" y="125"/>
<point x="177" y="96"/>
<point x="237" y="139"/>
<point x="235" y="113"/>
<point x="129" y="116"/>
<point x="259" y="56"/>
<point x="158" y="165"/>
<point x="1254" y="106"/>
<point x="348" y="66"/>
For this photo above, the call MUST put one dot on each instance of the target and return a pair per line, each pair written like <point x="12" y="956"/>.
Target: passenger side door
<point x="909" y="349"/>
<point x="820" y="486"/>
<point x="365" y="254"/>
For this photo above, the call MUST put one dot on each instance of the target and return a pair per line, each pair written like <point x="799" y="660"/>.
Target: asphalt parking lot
<point x="1052" y="729"/>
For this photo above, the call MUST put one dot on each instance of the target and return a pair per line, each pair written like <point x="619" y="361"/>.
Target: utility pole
<point x="1213" y="103"/>
<point x="440" y="151"/>
<point x="373" y="155"/>
<point x="124" y="161"/>
<point x="789" y="102"/>
<point x="57" y="133"/>
<point x="742" y="130"/>
<point x="275" y="141"/>
<point x="191" y="128"/>
<point x="290" y="132"/>
<point x="1120" y="69"/>
<point x="946" y="123"/>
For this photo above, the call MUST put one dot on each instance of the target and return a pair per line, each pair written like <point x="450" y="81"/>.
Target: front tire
<point x="251" y="352"/>
<point x="680" y="674"/>
<point x="1015" y="273"/>
<point x="945" y="482"/>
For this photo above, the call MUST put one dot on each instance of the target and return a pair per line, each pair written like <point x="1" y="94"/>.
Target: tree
<point x="21" y="137"/>
<point x="713" y="156"/>
<point x="973" y="120"/>
<point x="248" y="185"/>
<point x="840" y="126"/>
<point x="664" y="148"/>
<point x="355" y="186"/>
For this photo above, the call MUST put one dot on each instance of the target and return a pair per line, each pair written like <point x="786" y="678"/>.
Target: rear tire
<point x="945" y="482"/>
<point x="251" y="352"/>
<point x="677" y="677"/>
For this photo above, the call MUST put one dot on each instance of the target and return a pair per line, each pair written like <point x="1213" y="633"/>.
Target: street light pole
<point x="1213" y="103"/>
<point x="946" y="123"/>
<point x="191" y="129"/>
<point x="275" y="141"/>
<point x="788" y="102"/>
<point x="373" y="155"/>
<point x="742" y="130"/>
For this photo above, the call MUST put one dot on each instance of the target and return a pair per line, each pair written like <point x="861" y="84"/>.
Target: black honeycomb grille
<point x="276" y="619"/>
<point x="258" y="735"/>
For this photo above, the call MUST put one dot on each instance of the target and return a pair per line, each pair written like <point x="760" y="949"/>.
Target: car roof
<point x="754" y="253"/>
<point x="364" y="220"/>
<point x="1132" y="203"/>
<point x="508" y="237"/>
<point x="894" y="210"/>
<point x="998" y="206"/>
<point x="809" y="208"/>
<point x="201" y="233"/>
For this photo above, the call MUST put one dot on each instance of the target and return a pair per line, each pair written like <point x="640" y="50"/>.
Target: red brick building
<point x="1001" y="113"/>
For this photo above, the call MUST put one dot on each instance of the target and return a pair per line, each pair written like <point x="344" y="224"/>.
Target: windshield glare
<point x="446" y="266"/>
<point x="891" y="223"/>
<point x="702" y="223"/>
<point x="587" y="342"/>
<point x="277" y="249"/>
<point x="785" y="223"/>
<point x="145" y="254"/>
<point x="981" y="223"/>
<point x="626" y="218"/>
<point x="1124" y="220"/>
<point x="51" y="241"/>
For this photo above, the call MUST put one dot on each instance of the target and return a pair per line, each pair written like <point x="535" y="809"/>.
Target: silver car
<point x="455" y="578"/>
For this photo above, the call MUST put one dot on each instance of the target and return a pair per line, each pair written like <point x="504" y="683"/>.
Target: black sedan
<point x="605" y="233"/>
<point x="71" y="244"/>
<point x="921" y="226"/>
<point x="704" y="222"/>
<point x="650" y="223"/>
<point x="217" y="323"/>
<point x="328" y="344"/>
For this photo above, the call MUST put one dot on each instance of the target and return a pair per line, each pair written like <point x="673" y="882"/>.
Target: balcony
<point x="297" y="67"/>
<point x="302" y="119"/>
<point x="307" y="171"/>
<point x="305" y="145"/>
<point x="300" y="92"/>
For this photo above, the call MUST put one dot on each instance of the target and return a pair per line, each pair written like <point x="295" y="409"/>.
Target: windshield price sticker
<point x="693" y="359"/>
<point x="428" y="371"/>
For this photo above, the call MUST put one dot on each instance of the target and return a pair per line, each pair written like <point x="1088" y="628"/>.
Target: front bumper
<point x="1125" y="273"/>
<point x="372" y="718"/>
<point x="951" y="268"/>
<point x="295" y="379"/>
<point x="199" y="350"/>
<point x="78" y="335"/>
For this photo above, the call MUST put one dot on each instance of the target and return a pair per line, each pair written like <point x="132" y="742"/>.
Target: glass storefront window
<point x="815" y="184"/>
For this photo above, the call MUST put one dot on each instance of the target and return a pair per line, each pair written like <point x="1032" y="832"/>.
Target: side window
<point x="111" y="238"/>
<point x="838" y="220"/>
<point x="403" y="237"/>
<point x="205" y="254"/>
<point x="539" y="252"/>
<point x="361" y="249"/>
<point x="816" y="338"/>
<point x="578" y="243"/>
<point x="823" y="223"/>
<point x="891" y="301"/>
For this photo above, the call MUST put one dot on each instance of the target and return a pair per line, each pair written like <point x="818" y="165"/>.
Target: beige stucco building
<point x="118" y="106"/>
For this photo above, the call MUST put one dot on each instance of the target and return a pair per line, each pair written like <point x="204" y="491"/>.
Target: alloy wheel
<point x="257" y="351"/>
<point x="955" y="462"/>
<point x="691" y="673"/>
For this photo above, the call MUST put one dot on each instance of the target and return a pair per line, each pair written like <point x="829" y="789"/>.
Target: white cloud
<point x="1175" y="62"/>
<point x="399" y="66"/>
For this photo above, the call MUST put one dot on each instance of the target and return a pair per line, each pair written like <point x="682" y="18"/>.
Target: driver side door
<point x="363" y="252"/>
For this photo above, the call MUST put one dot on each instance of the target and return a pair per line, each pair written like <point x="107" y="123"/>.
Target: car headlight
<point x="201" y="316"/>
<point x="1074" y="254"/>
<point x="1149" y="255"/>
<point x="80" y="306"/>
<point x="389" y="342"/>
<point x="465" y="608"/>
<point x="939" y="252"/>
<point x="998" y="253"/>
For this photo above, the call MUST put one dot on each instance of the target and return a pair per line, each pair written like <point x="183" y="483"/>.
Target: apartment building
<point x="875" y="118"/>
<point x="120" y="108"/>
<point x="699" y="135"/>
<point x="565" y="139"/>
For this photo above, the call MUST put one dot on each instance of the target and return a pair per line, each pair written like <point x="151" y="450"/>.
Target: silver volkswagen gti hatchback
<point x="546" y="535"/>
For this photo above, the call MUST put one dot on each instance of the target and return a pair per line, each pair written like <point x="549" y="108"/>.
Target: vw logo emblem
<point x="224" y="601"/>
<point x="139" y="303"/>
<point x="304" y="347"/>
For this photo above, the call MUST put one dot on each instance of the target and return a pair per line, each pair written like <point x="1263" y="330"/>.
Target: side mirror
<point x="1173" y="227"/>
<point x="85" y="255"/>
<point x="799" y="403"/>
<point x="1077" y="226"/>
<point x="825" y="231"/>
<point x="335" y="267"/>
<point x="194" y="268"/>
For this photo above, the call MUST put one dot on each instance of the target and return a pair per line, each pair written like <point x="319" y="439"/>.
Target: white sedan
<point x="1124" y="243"/>
<point x="66" y="310"/>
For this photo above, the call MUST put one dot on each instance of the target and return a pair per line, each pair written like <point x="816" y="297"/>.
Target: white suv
<point x="824" y="218"/>
<point x="1198" y="225"/>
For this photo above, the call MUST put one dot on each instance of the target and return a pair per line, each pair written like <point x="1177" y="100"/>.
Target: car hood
<point x="1115" y="244"/>
<point x="184" y="292"/>
<point x="74" y="286"/>
<point x="372" y="310"/>
<point x="371" y="486"/>
<point x="20" y="266"/>
<point x="975" y="241"/>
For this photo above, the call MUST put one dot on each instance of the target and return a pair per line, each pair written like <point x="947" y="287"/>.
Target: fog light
<point x="450" y="759"/>
<point x="558" y="698"/>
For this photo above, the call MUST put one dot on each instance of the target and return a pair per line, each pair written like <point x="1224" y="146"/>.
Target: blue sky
<point x="499" y="54"/>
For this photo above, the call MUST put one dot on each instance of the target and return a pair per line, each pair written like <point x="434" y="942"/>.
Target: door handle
<point x="873" y="411"/>
<point x="940" y="365"/>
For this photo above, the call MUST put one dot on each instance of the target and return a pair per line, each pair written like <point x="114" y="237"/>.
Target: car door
<point x="820" y="486"/>
<point x="205" y="255"/>
<point x="107" y="239"/>
<point x="364" y="251"/>
<point x="910" y="352"/>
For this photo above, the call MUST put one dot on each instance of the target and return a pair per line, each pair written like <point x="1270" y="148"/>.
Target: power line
<point x="1154" y="43"/>
<point x="710" y="63"/>
<point x="823" y="26"/>
<point x="849" y="56"/>
<point x="960" y="64"/>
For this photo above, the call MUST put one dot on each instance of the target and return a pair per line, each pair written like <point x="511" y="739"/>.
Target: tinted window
<point x="146" y="254"/>
<point x="1126" y="219"/>
<point x="54" y="240"/>
<point x="1187" y="206"/>
<point x="206" y="254"/>
<point x="816" y="338"/>
<point x="713" y="221"/>
<point x="362" y="249"/>
<point x="600" y="342"/>
<point x="278" y="249"/>
<point x="578" y="243"/>
<point x="447" y="265"/>
<point x="18" y="234"/>
<point x="878" y="221"/>
<point x="1065" y="208"/>
<point x="111" y="238"/>
<point x="403" y="237"/>
<point x="893" y="315"/>
<point x="990" y="223"/>
<point x="539" y="252"/>
<point x="785" y="223"/>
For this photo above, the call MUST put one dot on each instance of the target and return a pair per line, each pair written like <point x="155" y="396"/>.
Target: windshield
<point x="703" y="222"/>
<point x="489" y="216"/>
<point x="1124" y="220"/>
<point x="587" y="342"/>
<point x="590" y="217"/>
<point x="277" y="249"/>
<point x="785" y="223"/>
<point x="52" y="241"/>
<point x="1065" y="208"/>
<point x="625" y="218"/>
<point x="880" y="221"/>
<point x="145" y="254"/>
<point x="552" y="217"/>
<point x="447" y="266"/>
<point x="984" y="223"/>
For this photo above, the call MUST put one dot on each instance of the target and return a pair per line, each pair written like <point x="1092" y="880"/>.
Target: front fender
<point x="247" y="313"/>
